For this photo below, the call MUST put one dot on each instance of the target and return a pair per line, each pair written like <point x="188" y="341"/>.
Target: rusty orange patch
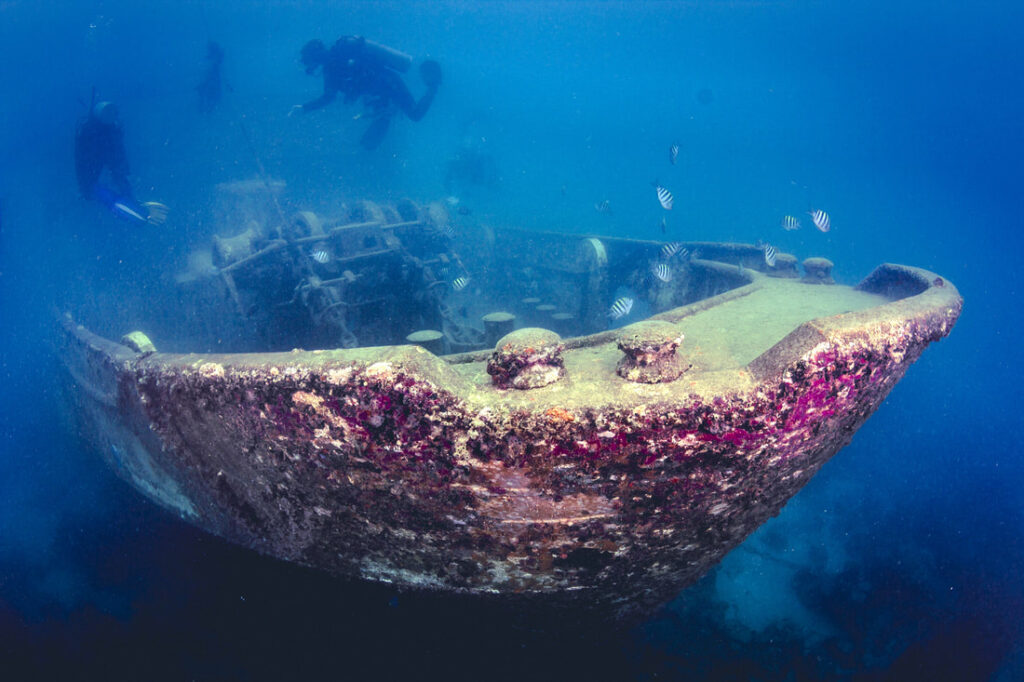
<point x="558" y="414"/>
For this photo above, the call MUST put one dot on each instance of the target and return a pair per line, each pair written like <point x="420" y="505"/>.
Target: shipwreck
<point x="514" y="447"/>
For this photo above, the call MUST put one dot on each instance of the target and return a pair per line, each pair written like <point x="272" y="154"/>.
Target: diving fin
<point x="157" y="212"/>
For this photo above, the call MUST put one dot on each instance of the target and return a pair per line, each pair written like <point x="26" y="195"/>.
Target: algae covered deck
<point x="722" y="336"/>
<point x="732" y="334"/>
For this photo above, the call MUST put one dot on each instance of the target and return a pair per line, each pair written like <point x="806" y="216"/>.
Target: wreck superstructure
<point x="603" y="468"/>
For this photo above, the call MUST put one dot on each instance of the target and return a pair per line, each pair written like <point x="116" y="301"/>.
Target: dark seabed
<point x="901" y="560"/>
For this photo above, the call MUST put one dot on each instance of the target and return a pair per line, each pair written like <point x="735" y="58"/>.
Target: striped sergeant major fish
<point x="770" y="255"/>
<point x="320" y="254"/>
<point x="673" y="248"/>
<point x="673" y="153"/>
<point x="664" y="197"/>
<point x="790" y="223"/>
<point x="460" y="283"/>
<point x="821" y="220"/>
<point x="662" y="272"/>
<point x="620" y="308"/>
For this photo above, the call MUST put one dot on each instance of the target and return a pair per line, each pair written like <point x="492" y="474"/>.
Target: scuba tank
<point x="387" y="56"/>
<point x="361" y="48"/>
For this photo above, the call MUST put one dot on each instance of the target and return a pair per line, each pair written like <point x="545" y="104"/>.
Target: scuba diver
<point x="356" y="67"/>
<point x="99" y="144"/>
<point x="210" y="88"/>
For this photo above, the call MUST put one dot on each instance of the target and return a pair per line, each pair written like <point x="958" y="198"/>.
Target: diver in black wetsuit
<point x="356" y="67"/>
<point x="211" y="87"/>
<point x="99" y="144"/>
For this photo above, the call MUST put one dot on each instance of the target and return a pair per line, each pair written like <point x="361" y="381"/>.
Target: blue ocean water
<point x="901" y="560"/>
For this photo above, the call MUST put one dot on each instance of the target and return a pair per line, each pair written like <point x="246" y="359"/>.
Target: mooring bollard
<point x="497" y="325"/>
<point x="650" y="352"/>
<point x="527" y="358"/>
<point x="430" y="339"/>
<point x="818" y="271"/>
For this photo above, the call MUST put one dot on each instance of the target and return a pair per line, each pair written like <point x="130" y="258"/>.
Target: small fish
<point x="320" y="255"/>
<point x="460" y="283"/>
<point x="452" y="200"/>
<point x="664" y="225"/>
<point x="790" y="223"/>
<point x="664" y="197"/>
<point x="820" y="219"/>
<point x="769" y="255"/>
<point x="673" y="153"/>
<point x="621" y="307"/>
<point x="603" y="207"/>
<point x="671" y="249"/>
<point x="662" y="272"/>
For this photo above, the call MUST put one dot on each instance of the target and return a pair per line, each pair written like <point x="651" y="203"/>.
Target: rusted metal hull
<point x="395" y="465"/>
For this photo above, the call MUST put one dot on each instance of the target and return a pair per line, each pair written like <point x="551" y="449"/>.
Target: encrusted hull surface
<point x="395" y="465"/>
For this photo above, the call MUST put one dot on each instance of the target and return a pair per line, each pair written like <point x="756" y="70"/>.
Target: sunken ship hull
<point x="629" y="464"/>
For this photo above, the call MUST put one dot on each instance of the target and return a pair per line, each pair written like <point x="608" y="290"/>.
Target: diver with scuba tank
<point x="356" y="67"/>
<point x="99" y="145"/>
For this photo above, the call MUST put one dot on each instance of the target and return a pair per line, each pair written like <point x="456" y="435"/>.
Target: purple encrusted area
<point x="301" y="464"/>
<point x="373" y="472"/>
